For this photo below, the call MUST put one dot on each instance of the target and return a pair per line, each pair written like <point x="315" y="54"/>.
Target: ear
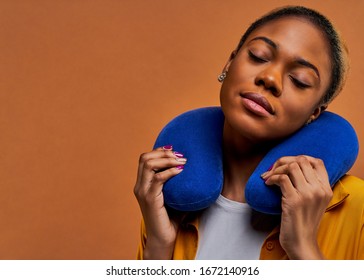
<point x="316" y="113"/>
<point x="228" y="63"/>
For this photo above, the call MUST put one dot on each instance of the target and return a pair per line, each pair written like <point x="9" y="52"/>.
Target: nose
<point x="271" y="79"/>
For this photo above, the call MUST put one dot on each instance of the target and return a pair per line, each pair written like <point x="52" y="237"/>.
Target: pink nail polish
<point x="167" y="147"/>
<point x="180" y="167"/>
<point x="177" y="154"/>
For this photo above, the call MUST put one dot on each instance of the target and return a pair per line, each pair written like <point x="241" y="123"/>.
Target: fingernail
<point x="167" y="147"/>
<point x="177" y="154"/>
<point x="181" y="159"/>
<point x="180" y="167"/>
<point x="266" y="173"/>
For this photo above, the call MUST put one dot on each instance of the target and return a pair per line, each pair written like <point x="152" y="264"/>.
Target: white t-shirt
<point x="227" y="231"/>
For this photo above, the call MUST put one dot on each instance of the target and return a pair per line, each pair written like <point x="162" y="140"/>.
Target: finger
<point x="286" y="165"/>
<point x="283" y="181"/>
<point x="167" y="148"/>
<point x="308" y="170"/>
<point x="160" y="164"/>
<point x="160" y="178"/>
<point x="153" y="166"/>
<point x="304" y="171"/>
<point x="161" y="152"/>
<point x="145" y="175"/>
<point x="281" y="162"/>
<point x="320" y="168"/>
<point x="321" y="183"/>
<point x="313" y="169"/>
<point x="151" y="180"/>
<point x="294" y="172"/>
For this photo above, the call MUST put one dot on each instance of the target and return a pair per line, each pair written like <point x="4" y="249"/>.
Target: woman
<point x="287" y="68"/>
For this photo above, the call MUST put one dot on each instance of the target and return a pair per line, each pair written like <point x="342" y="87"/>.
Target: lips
<point x="260" y="100"/>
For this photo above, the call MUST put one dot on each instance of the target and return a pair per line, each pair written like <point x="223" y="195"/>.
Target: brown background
<point x="85" y="87"/>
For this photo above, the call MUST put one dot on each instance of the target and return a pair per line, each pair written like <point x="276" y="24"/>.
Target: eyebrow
<point x="267" y="40"/>
<point x="303" y="62"/>
<point x="300" y="61"/>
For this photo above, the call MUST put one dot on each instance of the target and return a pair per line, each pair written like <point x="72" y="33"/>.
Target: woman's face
<point x="276" y="80"/>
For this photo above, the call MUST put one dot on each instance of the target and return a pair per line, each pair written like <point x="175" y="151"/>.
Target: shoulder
<point x="353" y="185"/>
<point x="351" y="190"/>
<point x="342" y="224"/>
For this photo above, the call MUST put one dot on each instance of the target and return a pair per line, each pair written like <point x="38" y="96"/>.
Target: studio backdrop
<point x="86" y="86"/>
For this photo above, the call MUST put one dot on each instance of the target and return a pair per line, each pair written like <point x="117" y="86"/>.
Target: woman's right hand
<point x="155" y="168"/>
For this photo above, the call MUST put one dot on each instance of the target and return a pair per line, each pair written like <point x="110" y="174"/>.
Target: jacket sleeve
<point x="361" y="241"/>
<point x="142" y="242"/>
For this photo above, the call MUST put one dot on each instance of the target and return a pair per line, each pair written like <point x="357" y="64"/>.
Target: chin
<point x="256" y="129"/>
<point x="247" y="128"/>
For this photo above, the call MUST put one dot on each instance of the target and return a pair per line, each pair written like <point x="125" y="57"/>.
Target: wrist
<point x="305" y="252"/>
<point x="155" y="250"/>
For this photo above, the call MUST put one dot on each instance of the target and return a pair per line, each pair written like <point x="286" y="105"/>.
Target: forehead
<point x="296" y="36"/>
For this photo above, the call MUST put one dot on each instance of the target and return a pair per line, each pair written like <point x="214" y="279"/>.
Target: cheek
<point x="241" y="71"/>
<point x="239" y="77"/>
<point x="296" y="111"/>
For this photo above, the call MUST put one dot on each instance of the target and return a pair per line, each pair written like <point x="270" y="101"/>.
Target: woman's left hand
<point x="306" y="193"/>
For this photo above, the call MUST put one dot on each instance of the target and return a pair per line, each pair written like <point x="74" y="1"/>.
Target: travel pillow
<point x="197" y="134"/>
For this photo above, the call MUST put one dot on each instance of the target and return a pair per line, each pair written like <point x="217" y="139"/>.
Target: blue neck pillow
<point x="198" y="135"/>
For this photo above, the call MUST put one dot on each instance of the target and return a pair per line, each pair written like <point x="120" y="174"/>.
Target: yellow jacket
<point x="340" y="236"/>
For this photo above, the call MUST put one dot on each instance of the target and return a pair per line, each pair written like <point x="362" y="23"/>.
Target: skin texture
<point x="155" y="168"/>
<point x="279" y="64"/>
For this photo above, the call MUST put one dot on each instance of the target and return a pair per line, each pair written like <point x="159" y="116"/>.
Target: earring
<point x="222" y="77"/>
<point x="309" y="121"/>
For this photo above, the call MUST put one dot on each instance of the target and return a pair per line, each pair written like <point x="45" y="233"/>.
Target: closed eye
<point x="298" y="83"/>
<point x="256" y="58"/>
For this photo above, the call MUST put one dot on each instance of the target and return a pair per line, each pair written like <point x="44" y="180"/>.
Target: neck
<point x="240" y="158"/>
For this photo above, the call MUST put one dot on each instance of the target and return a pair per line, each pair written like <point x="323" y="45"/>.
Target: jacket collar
<point x="339" y="195"/>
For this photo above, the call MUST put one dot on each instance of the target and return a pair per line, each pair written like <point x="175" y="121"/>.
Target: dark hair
<point x="337" y="47"/>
